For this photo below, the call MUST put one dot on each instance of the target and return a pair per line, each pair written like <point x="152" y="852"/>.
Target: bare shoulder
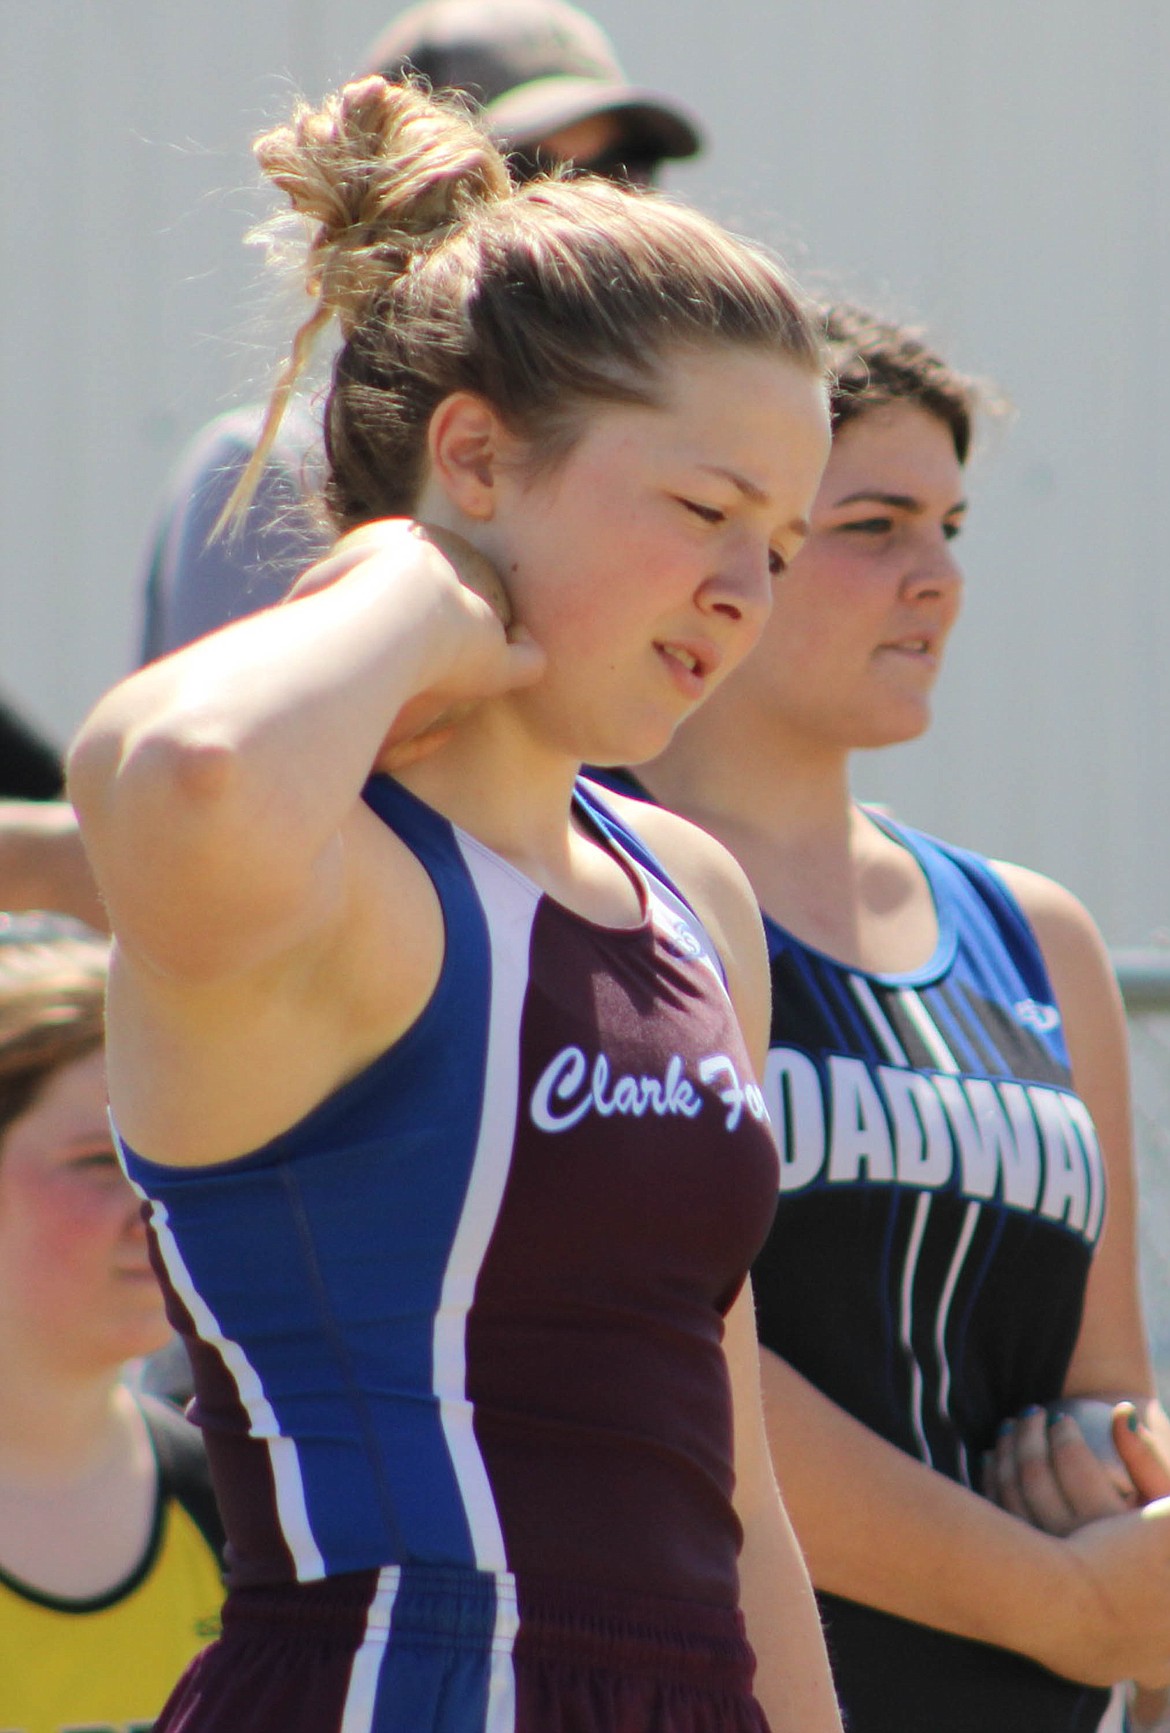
<point x="1086" y="992"/>
<point x="206" y="1064"/>
<point x="717" y="887"/>
<point x="1069" y="938"/>
<point x="702" y="867"/>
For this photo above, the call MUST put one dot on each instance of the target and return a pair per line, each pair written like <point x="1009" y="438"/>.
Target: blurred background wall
<point x="999" y="172"/>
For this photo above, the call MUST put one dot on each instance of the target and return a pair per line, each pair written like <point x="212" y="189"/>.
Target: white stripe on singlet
<point x="877" y="1020"/>
<point x="943" y="1060"/>
<point x="362" y="1696"/>
<point x="509" y="905"/>
<point x="288" y="1482"/>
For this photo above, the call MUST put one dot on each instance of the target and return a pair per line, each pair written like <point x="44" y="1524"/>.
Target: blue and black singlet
<point x="942" y="1191"/>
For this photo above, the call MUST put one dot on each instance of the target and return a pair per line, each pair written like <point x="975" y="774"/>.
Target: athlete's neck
<point x="759" y="802"/>
<point x="76" y="1505"/>
<point x="56" y="1427"/>
<point x="517" y="799"/>
<point x="820" y="867"/>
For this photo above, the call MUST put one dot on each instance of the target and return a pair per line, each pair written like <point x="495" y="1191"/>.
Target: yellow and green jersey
<point x="107" y="1665"/>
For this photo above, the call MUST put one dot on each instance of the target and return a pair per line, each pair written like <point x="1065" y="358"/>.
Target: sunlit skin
<point x="848" y="659"/>
<point x="77" y="1294"/>
<point x="645" y="563"/>
<point x="855" y="644"/>
<point x="77" y="1300"/>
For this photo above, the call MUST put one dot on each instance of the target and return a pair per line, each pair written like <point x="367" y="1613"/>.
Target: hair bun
<point x="383" y="169"/>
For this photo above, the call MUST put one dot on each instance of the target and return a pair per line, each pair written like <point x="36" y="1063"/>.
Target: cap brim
<point x="531" y="112"/>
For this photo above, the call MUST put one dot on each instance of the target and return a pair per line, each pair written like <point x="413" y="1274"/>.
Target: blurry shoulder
<point x="1069" y="938"/>
<point x="228" y="441"/>
<point x="706" y="872"/>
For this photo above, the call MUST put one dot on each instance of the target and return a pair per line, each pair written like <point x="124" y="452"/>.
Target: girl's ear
<point x="468" y="446"/>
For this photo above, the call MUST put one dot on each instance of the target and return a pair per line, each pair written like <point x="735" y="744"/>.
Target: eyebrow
<point x="899" y="501"/>
<point x="756" y="494"/>
<point x="748" y="488"/>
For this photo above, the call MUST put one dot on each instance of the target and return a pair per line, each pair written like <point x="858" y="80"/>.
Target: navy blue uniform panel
<point x="942" y="1191"/>
<point x="897" y="1677"/>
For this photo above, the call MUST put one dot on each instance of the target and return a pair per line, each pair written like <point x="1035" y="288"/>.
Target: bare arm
<point x="272" y="935"/>
<point x="218" y="789"/>
<point x="1046" y="1474"/>
<point x="886" y="1531"/>
<point x="793" y="1681"/>
<point x="1111" y="1358"/>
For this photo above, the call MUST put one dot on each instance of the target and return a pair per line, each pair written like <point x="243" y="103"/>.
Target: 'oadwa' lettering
<point x="847" y="1123"/>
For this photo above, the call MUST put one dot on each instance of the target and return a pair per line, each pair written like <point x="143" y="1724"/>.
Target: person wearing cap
<point x="547" y="80"/>
<point x="546" y="77"/>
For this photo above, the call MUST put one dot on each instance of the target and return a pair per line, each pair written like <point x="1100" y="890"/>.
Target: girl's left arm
<point x="793" y="1682"/>
<point x="1048" y="1479"/>
<point x="1111" y="1358"/>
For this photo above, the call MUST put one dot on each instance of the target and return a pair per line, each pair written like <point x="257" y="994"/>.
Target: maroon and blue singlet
<point x="457" y="1339"/>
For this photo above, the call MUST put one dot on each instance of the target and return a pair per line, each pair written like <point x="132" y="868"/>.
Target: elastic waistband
<point x="533" y="1617"/>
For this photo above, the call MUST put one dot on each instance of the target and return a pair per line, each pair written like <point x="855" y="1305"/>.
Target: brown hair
<point x="52" y="1003"/>
<point x="445" y="277"/>
<point x="874" y="362"/>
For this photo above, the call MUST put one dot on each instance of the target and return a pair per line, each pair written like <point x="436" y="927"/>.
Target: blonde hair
<point x="52" y="1003"/>
<point x="445" y="276"/>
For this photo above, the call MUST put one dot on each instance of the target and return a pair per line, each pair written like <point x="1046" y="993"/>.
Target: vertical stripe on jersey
<point x="1114" y="1720"/>
<point x="966" y="1235"/>
<point x="906" y="1321"/>
<point x="988" y="1058"/>
<point x="967" y="1056"/>
<point x="928" y="1030"/>
<point x="509" y="907"/>
<point x="436" y="1653"/>
<point x="288" y="1482"/>
<point x="362" y="1695"/>
<point x="794" y="967"/>
<point x="501" y="1705"/>
<point x="931" y="1035"/>
<point x="878" y="1021"/>
<point x="915" y="1010"/>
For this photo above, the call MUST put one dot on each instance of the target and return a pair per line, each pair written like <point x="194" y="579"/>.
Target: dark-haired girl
<point x="954" y="1243"/>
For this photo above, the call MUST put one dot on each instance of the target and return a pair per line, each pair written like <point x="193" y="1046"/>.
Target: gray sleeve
<point x="194" y="583"/>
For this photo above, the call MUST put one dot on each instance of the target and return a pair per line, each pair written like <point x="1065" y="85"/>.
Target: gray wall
<point x="999" y="172"/>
